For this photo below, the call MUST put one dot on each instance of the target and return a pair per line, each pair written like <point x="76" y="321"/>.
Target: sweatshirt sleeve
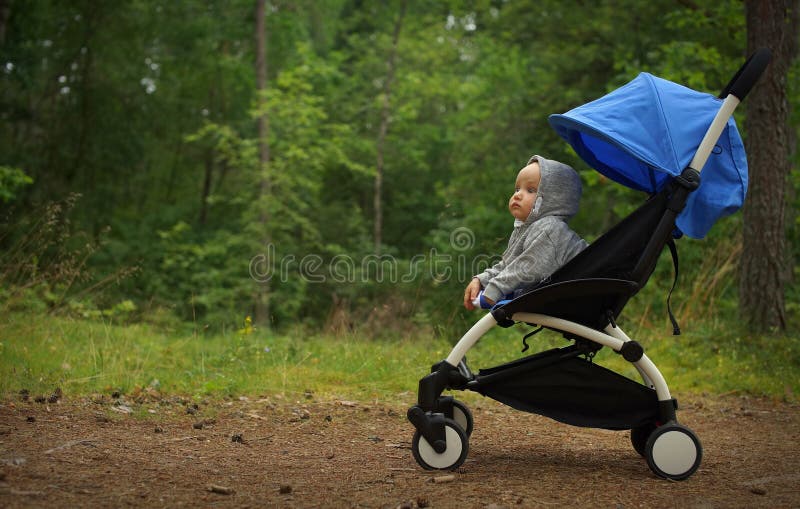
<point x="487" y="275"/>
<point x="539" y="259"/>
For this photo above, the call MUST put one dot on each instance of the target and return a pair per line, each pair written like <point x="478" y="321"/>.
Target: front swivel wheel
<point x="451" y="458"/>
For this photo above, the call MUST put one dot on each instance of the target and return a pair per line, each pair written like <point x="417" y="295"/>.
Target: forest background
<point x="150" y="173"/>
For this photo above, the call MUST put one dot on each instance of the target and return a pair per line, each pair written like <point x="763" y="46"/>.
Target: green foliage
<point x="202" y="275"/>
<point x="11" y="181"/>
<point x="148" y="110"/>
<point x="46" y="267"/>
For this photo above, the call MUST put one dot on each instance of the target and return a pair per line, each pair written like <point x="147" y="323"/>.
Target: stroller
<point x="643" y="135"/>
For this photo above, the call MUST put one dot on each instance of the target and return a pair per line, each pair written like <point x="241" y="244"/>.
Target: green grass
<point x="40" y="353"/>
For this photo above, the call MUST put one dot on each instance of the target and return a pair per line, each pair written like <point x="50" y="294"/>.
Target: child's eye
<point x="532" y="190"/>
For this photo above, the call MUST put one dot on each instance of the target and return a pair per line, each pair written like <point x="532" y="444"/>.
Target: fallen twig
<point x="222" y="490"/>
<point x="183" y="439"/>
<point x="26" y="493"/>
<point x="70" y="444"/>
<point x="264" y="438"/>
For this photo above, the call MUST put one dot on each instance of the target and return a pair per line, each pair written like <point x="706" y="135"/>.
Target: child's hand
<point x="472" y="291"/>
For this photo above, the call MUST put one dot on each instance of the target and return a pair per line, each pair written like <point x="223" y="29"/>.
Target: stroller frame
<point x="582" y="304"/>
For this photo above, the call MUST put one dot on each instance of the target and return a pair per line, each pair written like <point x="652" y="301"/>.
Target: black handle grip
<point x="747" y="75"/>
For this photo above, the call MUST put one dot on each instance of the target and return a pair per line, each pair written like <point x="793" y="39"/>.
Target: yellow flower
<point x="248" y="327"/>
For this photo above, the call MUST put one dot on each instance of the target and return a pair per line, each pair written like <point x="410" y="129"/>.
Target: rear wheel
<point x="463" y="417"/>
<point x="673" y="452"/>
<point x="452" y="457"/>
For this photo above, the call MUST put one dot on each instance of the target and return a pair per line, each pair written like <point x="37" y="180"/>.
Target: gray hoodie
<point x="543" y="242"/>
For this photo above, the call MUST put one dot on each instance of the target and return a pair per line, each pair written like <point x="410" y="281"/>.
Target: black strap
<point x="525" y="339"/>
<point x="673" y="249"/>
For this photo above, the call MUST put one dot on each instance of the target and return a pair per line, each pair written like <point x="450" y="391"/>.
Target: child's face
<point x="525" y="192"/>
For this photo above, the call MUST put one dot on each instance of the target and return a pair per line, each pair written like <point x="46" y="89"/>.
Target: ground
<point x="148" y="451"/>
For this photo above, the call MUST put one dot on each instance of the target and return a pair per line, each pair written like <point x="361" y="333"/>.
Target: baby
<point x="547" y="194"/>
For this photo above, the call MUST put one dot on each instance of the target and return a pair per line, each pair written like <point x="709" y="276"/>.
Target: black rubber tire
<point x="465" y="420"/>
<point x="452" y="458"/>
<point x="673" y="452"/>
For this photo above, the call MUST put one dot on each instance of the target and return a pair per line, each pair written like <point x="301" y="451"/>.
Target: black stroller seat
<point x="593" y="287"/>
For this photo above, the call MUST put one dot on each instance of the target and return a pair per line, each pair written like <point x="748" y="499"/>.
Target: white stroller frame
<point x="672" y="451"/>
<point x="614" y="338"/>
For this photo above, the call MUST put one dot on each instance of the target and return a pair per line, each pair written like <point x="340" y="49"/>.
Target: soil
<point x="147" y="451"/>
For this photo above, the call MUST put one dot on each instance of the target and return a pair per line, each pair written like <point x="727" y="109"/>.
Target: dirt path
<point x="272" y="453"/>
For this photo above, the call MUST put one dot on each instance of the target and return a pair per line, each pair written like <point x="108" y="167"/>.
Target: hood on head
<point x="559" y="191"/>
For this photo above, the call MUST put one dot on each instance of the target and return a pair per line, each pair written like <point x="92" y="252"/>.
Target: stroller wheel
<point x="451" y="458"/>
<point x="639" y="437"/>
<point x="463" y="417"/>
<point x="673" y="452"/>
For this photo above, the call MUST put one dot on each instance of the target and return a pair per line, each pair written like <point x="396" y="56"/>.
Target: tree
<point x="384" y="127"/>
<point x="773" y="24"/>
<point x="5" y="9"/>
<point x="262" y="298"/>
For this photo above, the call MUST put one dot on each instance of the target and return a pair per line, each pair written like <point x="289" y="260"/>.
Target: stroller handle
<point x="733" y="93"/>
<point x="747" y="75"/>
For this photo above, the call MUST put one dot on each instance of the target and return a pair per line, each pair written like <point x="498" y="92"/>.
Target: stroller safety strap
<point x="673" y="250"/>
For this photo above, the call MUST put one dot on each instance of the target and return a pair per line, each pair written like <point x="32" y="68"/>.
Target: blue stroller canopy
<point x="646" y="132"/>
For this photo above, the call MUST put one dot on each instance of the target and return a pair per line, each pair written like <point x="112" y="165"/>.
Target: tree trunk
<point x="769" y="143"/>
<point x="209" y="170"/>
<point x="5" y="13"/>
<point x="261" y="310"/>
<point x="383" y="130"/>
<point x="173" y="172"/>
